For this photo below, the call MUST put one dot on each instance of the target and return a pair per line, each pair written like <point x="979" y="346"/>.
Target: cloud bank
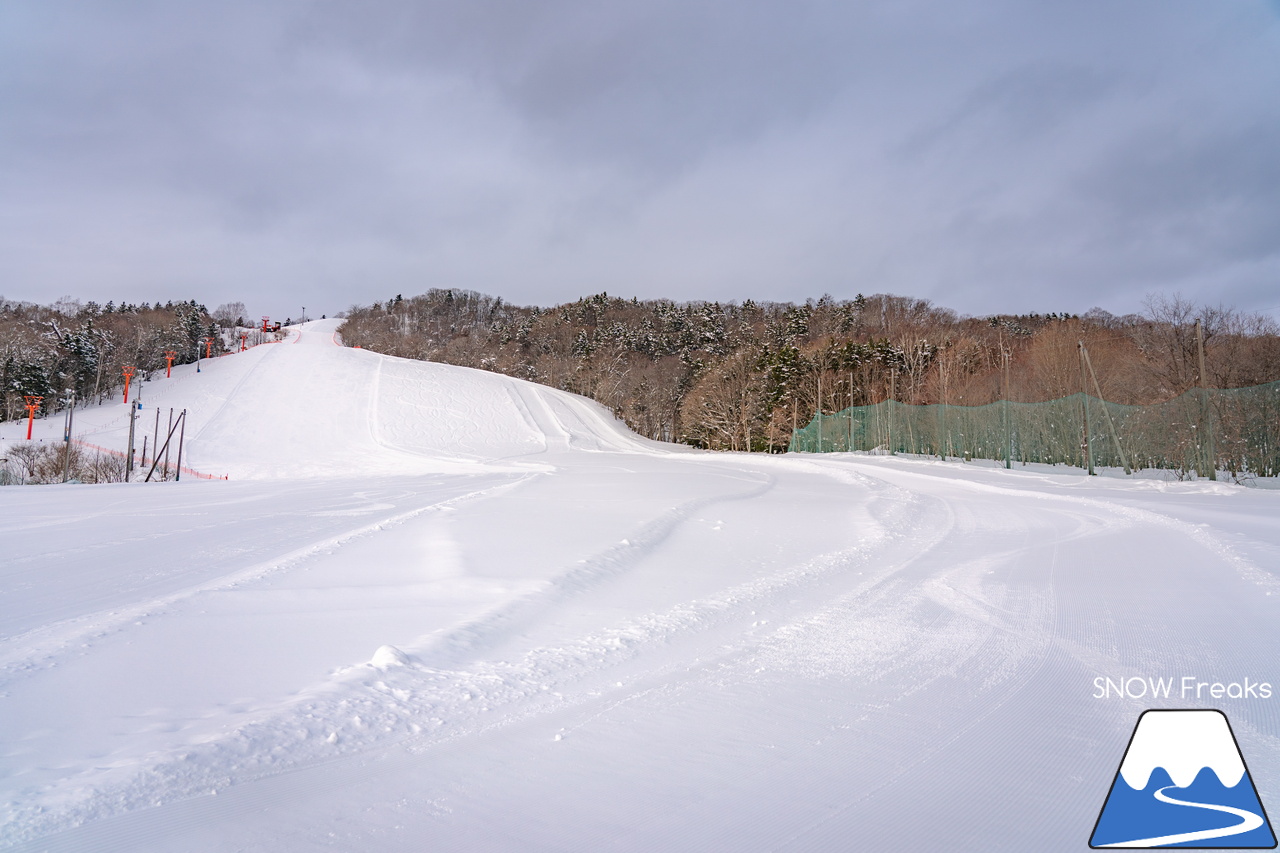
<point x="994" y="156"/>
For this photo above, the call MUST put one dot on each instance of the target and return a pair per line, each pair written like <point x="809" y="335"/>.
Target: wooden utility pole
<point x="850" y="411"/>
<point x="795" y="403"/>
<point x="819" y="411"/>
<point x="893" y="392"/>
<point x="1008" y="425"/>
<point x="1206" y="411"/>
<point x="1084" y="402"/>
<point x="944" y="438"/>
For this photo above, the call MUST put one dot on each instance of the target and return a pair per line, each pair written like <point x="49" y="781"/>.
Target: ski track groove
<point x="468" y="641"/>
<point x="231" y="394"/>
<point x="41" y="648"/>
<point x="437" y="700"/>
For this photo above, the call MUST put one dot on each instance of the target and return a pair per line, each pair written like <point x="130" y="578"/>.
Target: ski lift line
<point x="108" y="425"/>
<point x="158" y="393"/>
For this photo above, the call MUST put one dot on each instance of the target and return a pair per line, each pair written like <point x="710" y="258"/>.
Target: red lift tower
<point x="169" y="356"/>
<point x="128" y="374"/>
<point x="33" y="404"/>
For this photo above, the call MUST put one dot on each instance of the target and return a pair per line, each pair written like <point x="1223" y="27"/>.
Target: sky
<point x="991" y="156"/>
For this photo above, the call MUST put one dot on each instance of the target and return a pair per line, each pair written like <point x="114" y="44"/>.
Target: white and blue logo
<point x="1183" y="783"/>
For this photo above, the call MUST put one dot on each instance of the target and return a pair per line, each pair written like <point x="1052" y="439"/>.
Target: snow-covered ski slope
<point x="439" y="609"/>
<point x="309" y="408"/>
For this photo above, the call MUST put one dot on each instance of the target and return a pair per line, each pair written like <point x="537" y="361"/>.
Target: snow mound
<point x="388" y="656"/>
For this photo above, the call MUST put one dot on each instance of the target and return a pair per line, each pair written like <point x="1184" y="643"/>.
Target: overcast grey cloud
<point x="991" y="156"/>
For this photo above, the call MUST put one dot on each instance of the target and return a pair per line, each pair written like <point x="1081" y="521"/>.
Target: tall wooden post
<point x="850" y="411"/>
<point x="1084" y="402"/>
<point x="819" y="411"/>
<point x="1008" y="425"/>
<point x="1206" y="410"/>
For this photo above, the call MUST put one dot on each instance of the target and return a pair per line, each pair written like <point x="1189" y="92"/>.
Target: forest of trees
<point x="51" y="351"/>
<point x="738" y="376"/>
<point x="730" y="376"/>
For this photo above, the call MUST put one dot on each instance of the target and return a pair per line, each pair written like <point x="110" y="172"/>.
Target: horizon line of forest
<point x="719" y="375"/>
<point x="745" y="376"/>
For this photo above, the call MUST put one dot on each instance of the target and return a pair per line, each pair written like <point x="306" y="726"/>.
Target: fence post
<point x="1110" y="423"/>
<point x="182" y="431"/>
<point x="1205" y="409"/>
<point x="1008" y="426"/>
<point x="819" y="412"/>
<point x="1084" y="401"/>
<point x="850" y="411"/>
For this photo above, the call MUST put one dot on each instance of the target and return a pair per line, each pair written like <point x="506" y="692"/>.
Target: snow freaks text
<point x="1188" y="687"/>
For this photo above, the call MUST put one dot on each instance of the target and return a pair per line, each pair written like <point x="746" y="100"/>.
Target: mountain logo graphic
<point x="1183" y="783"/>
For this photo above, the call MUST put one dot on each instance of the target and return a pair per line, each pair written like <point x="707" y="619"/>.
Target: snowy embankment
<point x="436" y="608"/>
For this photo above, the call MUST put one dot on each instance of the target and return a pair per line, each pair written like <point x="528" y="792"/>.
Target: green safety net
<point x="1235" y="430"/>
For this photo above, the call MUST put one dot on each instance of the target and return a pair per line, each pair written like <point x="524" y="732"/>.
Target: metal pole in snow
<point x="160" y="451"/>
<point x="166" y="445"/>
<point x="182" y="431"/>
<point x="128" y="457"/>
<point x="66" y="440"/>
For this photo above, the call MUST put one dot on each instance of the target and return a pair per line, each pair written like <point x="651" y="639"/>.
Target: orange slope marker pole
<point x="32" y="404"/>
<point x="128" y="374"/>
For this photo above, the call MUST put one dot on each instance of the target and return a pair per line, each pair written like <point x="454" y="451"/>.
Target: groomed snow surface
<point x="439" y="609"/>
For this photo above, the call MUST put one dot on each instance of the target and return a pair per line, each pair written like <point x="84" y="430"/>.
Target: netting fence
<point x="1233" y="430"/>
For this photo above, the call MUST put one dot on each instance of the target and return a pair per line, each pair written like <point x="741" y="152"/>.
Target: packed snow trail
<point x="487" y="617"/>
